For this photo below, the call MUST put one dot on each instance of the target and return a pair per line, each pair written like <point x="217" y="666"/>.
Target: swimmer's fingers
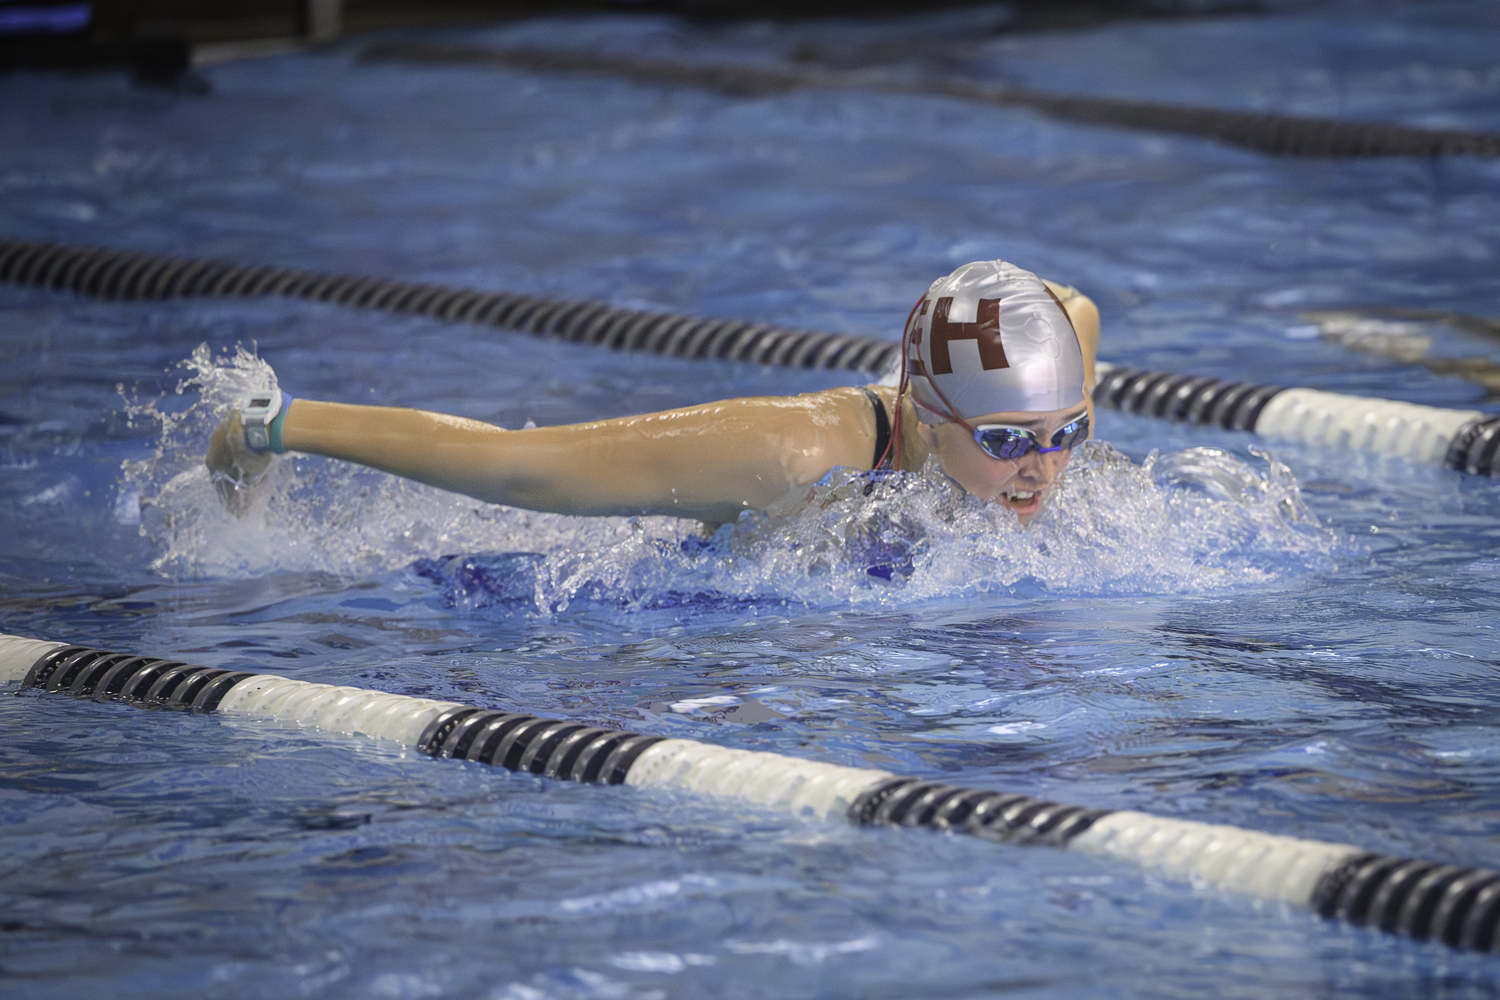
<point x="233" y="467"/>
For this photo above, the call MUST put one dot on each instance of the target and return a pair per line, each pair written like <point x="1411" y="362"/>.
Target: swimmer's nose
<point x="1036" y="470"/>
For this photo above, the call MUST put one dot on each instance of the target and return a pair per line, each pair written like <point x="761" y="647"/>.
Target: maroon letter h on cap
<point x="985" y="329"/>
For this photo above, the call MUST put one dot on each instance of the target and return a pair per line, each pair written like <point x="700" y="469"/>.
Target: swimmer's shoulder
<point x="842" y="424"/>
<point x="852" y="403"/>
<point x="852" y="395"/>
<point x="1079" y="306"/>
<point x="1084" y="316"/>
<point x="1063" y="292"/>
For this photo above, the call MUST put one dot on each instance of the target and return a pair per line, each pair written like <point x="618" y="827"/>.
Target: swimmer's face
<point x="1020" y="485"/>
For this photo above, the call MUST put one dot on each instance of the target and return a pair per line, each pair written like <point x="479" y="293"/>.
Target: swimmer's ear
<point x="928" y="434"/>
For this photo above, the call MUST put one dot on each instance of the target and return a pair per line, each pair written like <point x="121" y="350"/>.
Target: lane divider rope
<point x="124" y="274"/>
<point x="1286" y="135"/>
<point x="1457" y="905"/>
<point x="1467" y="440"/>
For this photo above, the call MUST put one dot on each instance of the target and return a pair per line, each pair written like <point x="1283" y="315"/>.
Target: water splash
<point x="1191" y="521"/>
<point x="168" y="503"/>
<point x="1111" y="527"/>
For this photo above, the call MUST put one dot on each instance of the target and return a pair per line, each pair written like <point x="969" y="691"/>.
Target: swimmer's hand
<point x="233" y="467"/>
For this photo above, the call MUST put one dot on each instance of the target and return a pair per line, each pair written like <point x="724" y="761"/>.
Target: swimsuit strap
<point x="882" y="429"/>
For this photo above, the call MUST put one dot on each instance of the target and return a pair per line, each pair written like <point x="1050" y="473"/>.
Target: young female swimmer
<point x="999" y="367"/>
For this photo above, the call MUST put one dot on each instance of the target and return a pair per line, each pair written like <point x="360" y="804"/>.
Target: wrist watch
<point x="257" y="413"/>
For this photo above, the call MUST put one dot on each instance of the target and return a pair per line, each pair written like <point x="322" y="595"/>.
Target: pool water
<point x="1304" y="643"/>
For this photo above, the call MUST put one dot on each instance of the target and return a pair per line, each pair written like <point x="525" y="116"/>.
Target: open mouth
<point x="1022" y="501"/>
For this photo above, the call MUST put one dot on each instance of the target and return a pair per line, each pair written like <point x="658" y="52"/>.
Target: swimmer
<point x="996" y="384"/>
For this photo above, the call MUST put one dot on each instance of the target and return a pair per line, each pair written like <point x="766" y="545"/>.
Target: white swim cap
<point x="992" y="338"/>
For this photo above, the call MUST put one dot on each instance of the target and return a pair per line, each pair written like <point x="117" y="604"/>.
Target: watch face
<point x="258" y="413"/>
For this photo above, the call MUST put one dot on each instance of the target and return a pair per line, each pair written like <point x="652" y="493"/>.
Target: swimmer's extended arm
<point x="707" y="462"/>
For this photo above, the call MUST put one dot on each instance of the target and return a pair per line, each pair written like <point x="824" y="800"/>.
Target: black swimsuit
<point x="884" y="540"/>
<point x="882" y="430"/>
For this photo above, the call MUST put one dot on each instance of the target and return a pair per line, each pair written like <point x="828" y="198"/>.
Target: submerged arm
<point x="707" y="462"/>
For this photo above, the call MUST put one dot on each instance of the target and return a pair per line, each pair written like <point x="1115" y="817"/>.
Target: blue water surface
<point x="1315" y="656"/>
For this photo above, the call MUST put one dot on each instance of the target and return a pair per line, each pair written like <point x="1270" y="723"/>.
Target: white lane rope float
<point x="1466" y="440"/>
<point x="1454" y="904"/>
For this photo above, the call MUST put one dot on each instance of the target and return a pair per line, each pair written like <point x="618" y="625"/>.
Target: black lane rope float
<point x="1454" y="904"/>
<point x="123" y="274"/>
<point x="1286" y="135"/>
<point x="1467" y="440"/>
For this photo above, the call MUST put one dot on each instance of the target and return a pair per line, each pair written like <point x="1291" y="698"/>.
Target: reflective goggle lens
<point x="1010" y="443"/>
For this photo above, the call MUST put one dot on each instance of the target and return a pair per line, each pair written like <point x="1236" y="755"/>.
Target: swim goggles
<point x="1006" y="443"/>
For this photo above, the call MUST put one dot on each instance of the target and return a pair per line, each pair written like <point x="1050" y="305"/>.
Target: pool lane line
<point x="1464" y="440"/>
<point x="123" y="274"/>
<point x="1277" y="134"/>
<point x="1467" y="440"/>
<point x="1457" y="905"/>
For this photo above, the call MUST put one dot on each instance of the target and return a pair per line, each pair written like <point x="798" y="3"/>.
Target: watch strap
<point x="275" y="426"/>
